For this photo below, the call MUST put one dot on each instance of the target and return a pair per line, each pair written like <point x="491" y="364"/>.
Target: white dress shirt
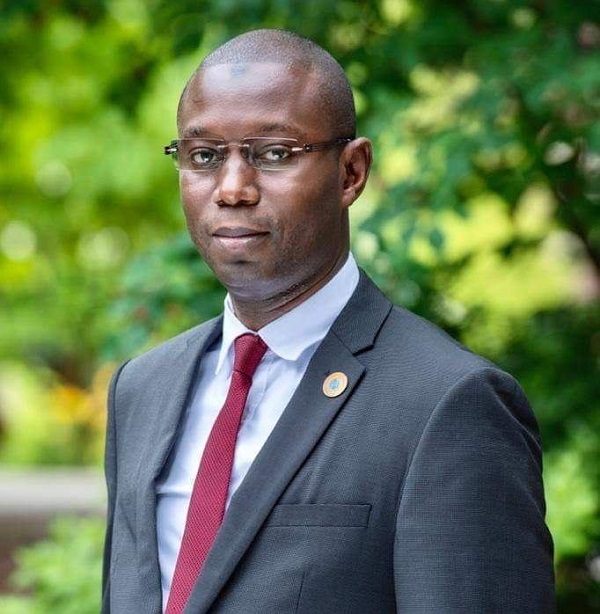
<point x="292" y="340"/>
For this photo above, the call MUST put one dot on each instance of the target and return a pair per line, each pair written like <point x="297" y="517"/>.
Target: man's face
<point x="264" y="233"/>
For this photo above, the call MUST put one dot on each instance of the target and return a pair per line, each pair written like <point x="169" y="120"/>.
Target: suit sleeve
<point x="110" y="470"/>
<point x="470" y="530"/>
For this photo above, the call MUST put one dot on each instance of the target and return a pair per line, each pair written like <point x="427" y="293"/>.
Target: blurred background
<point x="482" y="214"/>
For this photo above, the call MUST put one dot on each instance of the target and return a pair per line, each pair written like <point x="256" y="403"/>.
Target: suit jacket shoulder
<point x="157" y="356"/>
<point x="395" y="341"/>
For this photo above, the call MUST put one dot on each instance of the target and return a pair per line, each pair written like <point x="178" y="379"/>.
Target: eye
<point x="204" y="156"/>
<point x="273" y="153"/>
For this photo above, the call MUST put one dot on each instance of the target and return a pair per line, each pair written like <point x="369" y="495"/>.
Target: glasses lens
<point x="199" y="155"/>
<point x="272" y="154"/>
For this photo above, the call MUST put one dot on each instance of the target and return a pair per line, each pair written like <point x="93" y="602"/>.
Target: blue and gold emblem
<point x="335" y="384"/>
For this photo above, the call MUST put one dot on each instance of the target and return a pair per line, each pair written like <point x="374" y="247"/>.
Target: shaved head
<point x="333" y="93"/>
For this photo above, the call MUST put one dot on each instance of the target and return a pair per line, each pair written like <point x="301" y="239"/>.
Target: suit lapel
<point x="301" y="426"/>
<point x="165" y="411"/>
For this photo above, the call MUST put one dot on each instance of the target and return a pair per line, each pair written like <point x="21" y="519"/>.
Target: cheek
<point x="307" y="199"/>
<point x="194" y="198"/>
<point x="191" y="189"/>
<point x="315" y="205"/>
<point x="312" y="228"/>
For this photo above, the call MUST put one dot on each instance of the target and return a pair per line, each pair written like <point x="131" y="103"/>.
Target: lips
<point x="239" y="241"/>
<point x="238" y="232"/>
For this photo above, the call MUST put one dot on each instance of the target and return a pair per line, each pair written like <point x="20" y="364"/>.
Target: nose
<point x="236" y="183"/>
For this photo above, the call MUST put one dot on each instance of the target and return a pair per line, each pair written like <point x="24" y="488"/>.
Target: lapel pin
<point x="335" y="384"/>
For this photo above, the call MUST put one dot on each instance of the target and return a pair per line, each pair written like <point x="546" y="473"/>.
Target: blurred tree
<point x="71" y="552"/>
<point x="482" y="212"/>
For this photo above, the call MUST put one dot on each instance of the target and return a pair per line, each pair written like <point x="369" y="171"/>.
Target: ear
<point x="355" y="164"/>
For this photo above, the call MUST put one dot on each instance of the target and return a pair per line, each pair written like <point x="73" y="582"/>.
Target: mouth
<point x="238" y="232"/>
<point x="238" y="237"/>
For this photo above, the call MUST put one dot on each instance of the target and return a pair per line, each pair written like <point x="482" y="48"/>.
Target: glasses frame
<point x="222" y="146"/>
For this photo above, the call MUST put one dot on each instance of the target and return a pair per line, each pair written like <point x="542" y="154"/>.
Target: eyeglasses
<point x="263" y="152"/>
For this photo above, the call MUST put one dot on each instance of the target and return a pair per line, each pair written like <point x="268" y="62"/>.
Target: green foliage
<point x="162" y="292"/>
<point x="15" y="605"/>
<point x="51" y="423"/>
<point x="481" y="213"/>
<point x="570" y="487"/>
<point x="63" y="572"/>
<point x="560" y="346"/>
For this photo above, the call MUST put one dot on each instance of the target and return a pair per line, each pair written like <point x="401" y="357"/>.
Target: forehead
<point x="235" y="100"/>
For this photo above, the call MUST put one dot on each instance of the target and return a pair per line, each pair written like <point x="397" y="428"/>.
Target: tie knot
<point x="249" y="350"/>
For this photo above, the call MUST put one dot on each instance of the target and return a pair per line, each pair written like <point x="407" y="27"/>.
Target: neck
<point x="255" y="313"/>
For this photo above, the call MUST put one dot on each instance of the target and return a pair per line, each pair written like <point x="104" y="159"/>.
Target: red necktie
<point x="207" y="503"/>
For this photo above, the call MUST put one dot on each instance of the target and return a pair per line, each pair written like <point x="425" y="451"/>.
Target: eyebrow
<point x="193" y="131"/>
<point x="277" y="127"/>
<point x="199" y="131"/>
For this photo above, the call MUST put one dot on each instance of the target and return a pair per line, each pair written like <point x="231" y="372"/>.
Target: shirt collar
<point x="302" y="327"/>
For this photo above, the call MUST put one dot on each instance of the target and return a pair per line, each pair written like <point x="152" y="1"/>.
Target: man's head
<point x="277" y="233"/>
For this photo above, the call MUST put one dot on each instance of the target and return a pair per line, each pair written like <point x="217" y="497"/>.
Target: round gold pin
<point x="335" y="384"/>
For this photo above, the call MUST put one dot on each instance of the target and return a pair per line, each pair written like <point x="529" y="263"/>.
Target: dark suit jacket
<point x="418" y="489"/>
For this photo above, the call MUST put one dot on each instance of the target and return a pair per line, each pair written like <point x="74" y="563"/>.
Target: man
<point x="378" y="466"/>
